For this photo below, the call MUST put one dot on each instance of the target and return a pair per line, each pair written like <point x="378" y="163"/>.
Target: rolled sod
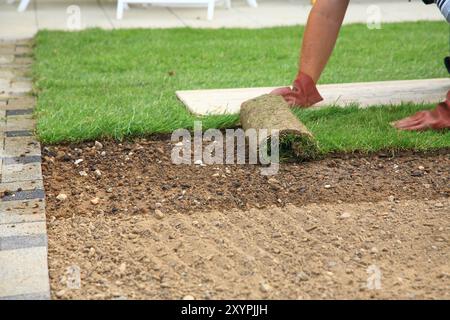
<point x="271" y="112"/>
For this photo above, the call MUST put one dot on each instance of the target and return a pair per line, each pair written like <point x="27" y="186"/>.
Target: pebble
<point x="327" y="186"/>
<point x="60" y="293"/>
<point x="273" y="181"/>
<point x="78" y="161"/>
<point x="95" y="201"/>
<point x="302" y="276"/>
<point x="421" y="168"/>
<point x="109" y="190"/>
<point x="198" y="162"/>
<point x="61" y="197"/>
<point x="438" y="205"/>
<point x="83" y="173"/>
<point x="98" y="173"/>
<point x="91" y="252"/>
<point x="391" y="198"/>
<point x="264" y="287"/>
<point x="103" y="153"/>
<point x="158" y="214"/>
<point x="188" y="297"/>
<point x="98" y="145"/>
<point x="345" y="215"/>
<point x="123" y="268"/>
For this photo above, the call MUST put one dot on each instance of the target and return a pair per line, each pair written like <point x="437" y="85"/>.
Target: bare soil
<point x="139" y="227"/>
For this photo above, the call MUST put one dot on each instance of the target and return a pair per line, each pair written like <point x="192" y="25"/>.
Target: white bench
<point x="122" y="4"/>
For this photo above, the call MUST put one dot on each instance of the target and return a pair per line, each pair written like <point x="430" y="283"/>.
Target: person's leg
<point x="322" y="30"/>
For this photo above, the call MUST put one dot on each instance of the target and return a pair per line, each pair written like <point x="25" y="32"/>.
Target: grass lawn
<point x="96" y="84"/>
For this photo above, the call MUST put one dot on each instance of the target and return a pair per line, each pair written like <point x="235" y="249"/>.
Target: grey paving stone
<point x="21" y="185"/>
<point x="19" y="242"/>
<point x="21" y="86"/>
<point x="5" y="84"/>
<point x="18" y="112"/>
<point x="21" y="160"/>
<point x="22" y="229"/>
<point x="23" y="49"/>
<point x="23" y="272"/>
<point x="21" y="103"/>
<point x="19" y="133"/>
<point x="17" y="212"/>
<point x="7" y="74"/>
<point x="20" y="123"/>
<point x="29" y="296"/>
<point x="7" y="49"/>
<point x="6" y="58"/>
<point x="23" y="61"/>
<point x="21" y="172"/>
<point x="12" y="95"/>
<point x="24" y="195"/>
<point x="21" y="146"/>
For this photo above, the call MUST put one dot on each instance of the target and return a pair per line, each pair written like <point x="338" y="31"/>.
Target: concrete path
<point x="23" y="234"/>
<point x="365" y="94"/>
<point x="62" y="15"/>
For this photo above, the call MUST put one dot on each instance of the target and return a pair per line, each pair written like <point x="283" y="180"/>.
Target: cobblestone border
<point x="23" y="234"/>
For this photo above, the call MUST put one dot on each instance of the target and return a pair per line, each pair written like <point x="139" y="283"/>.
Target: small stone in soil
<point x="264" y="287"/>
<point x="158" y="214"/>
<point x="78" y="161"/>
<point x="302" y="276"/>
<point x="327" y="186"/>
<point x="188" y="297"/>
<point x="98" y="145"/>
<point x="95" y="201"/>
<point x="122" y="268"/>
<point x="345" y="215"/>
<point x="98" y="173"/>
<point x="60" y="293"/>
<point x="61" y="197"/>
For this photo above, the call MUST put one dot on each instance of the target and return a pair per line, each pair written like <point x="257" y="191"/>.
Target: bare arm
<point x="322" y="30"/>
<point x="320" y="36"/>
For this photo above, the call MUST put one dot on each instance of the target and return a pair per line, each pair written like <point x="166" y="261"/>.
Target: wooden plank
<point x="364" y="94"/>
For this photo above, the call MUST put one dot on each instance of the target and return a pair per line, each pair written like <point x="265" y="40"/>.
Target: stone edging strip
<point x="23" y="233"/>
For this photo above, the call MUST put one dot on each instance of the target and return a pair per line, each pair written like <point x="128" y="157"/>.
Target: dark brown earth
<point x="141" y="227"/>
<point x="137" y="176"/>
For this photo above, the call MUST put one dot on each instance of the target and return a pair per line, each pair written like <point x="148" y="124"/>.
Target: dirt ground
<point x="348" y="226"/>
